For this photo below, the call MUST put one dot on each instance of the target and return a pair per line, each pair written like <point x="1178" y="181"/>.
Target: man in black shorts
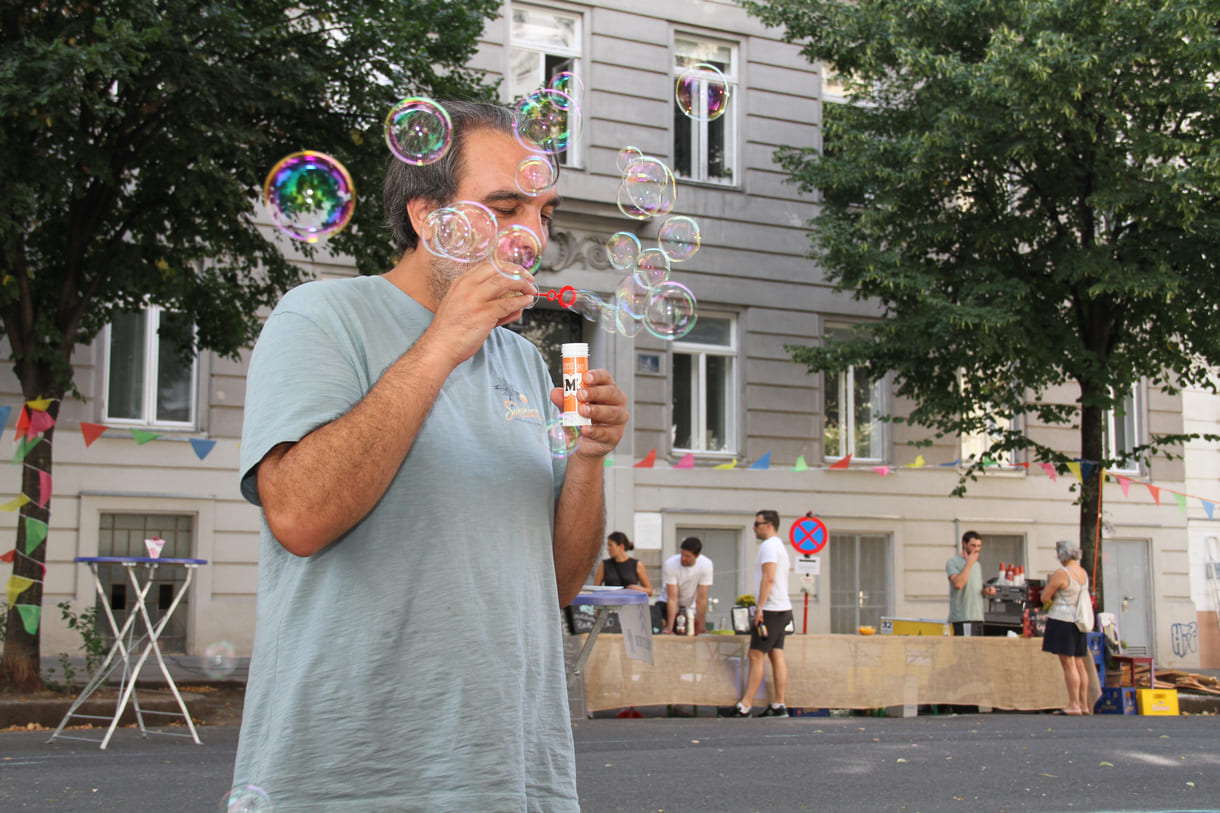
<point x="771" y="620"/>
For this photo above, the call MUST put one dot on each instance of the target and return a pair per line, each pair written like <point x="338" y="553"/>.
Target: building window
<point x="859" y="581"/>
<point x="706" y="150"/>
<point x="1008" y="549"/>
<point x="853" y="413"/>
<point x="1121" y="433"/>
<point x="704" y="387"/>
<point x="544" y="42"/>
<point x="124" y="535"/>
<point x="147" y="382"/>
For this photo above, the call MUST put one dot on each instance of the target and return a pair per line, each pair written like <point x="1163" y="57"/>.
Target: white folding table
<point x="132" y="647"/>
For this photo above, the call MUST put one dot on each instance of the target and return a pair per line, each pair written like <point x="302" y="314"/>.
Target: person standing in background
<point x="686" y="577"/>
<point x="966" y="589"/>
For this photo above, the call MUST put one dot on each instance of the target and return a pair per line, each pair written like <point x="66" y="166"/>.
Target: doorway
<point x="723" y="547"/>
<point x="859" y="581"/>
<point x="1124" y="567"/>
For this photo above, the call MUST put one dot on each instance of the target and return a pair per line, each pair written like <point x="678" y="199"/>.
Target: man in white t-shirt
<point x="771" y="620"/>
<point x="687" y="576"/>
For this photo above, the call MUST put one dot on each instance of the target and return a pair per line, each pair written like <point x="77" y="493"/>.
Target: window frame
<point x="699" y="402"/>
<point x="844" y="383"/>
<point x="698" y="134"/>
<point x="573" y="156"/>
<point x="151" y="377"/>
<point x="1134" y="417"/>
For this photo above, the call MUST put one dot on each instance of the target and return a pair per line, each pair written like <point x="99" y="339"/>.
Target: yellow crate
<point x="914" y="626"/>
<point x="1157" y="701"/>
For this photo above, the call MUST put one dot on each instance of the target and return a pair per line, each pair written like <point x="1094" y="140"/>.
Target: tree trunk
<point x="20" y="667"/>
<point x="1091" y="451"/>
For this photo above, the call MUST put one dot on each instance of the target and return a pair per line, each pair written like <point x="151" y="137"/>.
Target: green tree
<point x="136" y="136"/>
<point x="1030" y="192"/>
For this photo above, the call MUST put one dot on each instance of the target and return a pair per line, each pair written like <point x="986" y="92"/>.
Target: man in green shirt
<point x="966" y="590"/>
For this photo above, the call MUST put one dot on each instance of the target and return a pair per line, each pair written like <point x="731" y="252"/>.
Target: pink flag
<point x="44" y="483"/>
<point x="1123" y="483"/>
<point x="1049" y="469"/>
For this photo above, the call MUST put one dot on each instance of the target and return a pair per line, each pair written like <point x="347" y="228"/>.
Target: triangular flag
<point x="15" y="587"/>
<point x="202" y="447"/>
<point x="1210" y="508"/>
<point x="990" y="463"/>
<point x="842" y="463"/>
<point x="14" y="504"/>
<point x="24" y="445"/>
<point x="8" y="557"/>
<point x="39" y="404"/>
<point x="143" y="436"/>
<point x="91" y="431"/>
<point x="801" y="465"/>
<point x="763" y="462"/>
<point x="1155" y="492"/>
<point x="730" y="465"/>
<point x="154" y="545"/>
<point x="23" y="422"/>
<point x="649" y="460"/>
<point x="918" y="464"/>
<point x="1050" y="471"/>
<point x="1181" y="501"/>
<point x="687" y="461"/>
<point x="29" y="616"/>
<point x="950" y="463"/>
<point x="1123" y="483"/>
<point x="1074" y="468"/>
<point x="882" y="470"/>
<point x="1086" y="468"/>
<point x="44" y="488"/>
<point x="609" y="460"/>
<point x="35" y="533"/>
<point x="40" y="422"/>
<point x="5" y="411"/>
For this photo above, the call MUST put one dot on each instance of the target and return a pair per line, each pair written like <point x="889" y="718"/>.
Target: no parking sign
<point x="808" y="535"/>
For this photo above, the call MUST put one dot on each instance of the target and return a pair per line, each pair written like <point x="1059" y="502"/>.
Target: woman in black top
<point x="620" y="569"/>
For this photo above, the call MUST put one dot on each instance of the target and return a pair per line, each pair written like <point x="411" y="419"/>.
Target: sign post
<point x="809" y="536"/>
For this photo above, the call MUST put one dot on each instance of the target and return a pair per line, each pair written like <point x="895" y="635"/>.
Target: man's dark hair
<point x="437" y="182"/>
<point x="692" y="544"/>
<point x="969" y="536"/>
<point x="770" y="517"/>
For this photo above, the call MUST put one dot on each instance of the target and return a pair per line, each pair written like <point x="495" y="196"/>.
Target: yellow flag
<point x="14" y="504"/>
<point x="16" y="586"/>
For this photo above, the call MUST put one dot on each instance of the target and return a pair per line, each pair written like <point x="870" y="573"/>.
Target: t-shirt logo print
<point x="517" y="405"/>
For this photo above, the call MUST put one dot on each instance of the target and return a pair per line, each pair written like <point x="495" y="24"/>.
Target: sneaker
<point x="772" y="711"/>
<point x="733" y="711"/>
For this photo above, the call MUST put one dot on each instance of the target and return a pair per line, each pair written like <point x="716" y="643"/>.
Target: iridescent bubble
<point x="679" y="238"/>
<point x="589" y="305"/>
<point x="650" y="185"/>
<point x="702" y="92"/>
<point x="483" y="228"/>
<point x="560" y="440"/>
<point x="310" y="195"/>
<point x="246" y="799"/>
<point x="628" y="206"/>
<point x="608" y="321"/>
<point x="626" y="324"/>
<point x="652" y="268"/>
<point x="516" y="252"/>
<point x="546" y="120"/>
<point x="630" y="296"/>
<point x="623" y="249"/>
<point x="568" y="84"/>
<point x="219" y="659"/>
<point x="418" y="130"/>
<point x="669" y="312"/>
<point x="626" y="156"/>
<point x="536" y="174"/>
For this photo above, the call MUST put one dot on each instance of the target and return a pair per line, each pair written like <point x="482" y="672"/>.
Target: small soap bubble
<point x="546" y="120"/>
<point x="310" y="194"/>
<point x="628" y="206"/>
<point x="446" y="232"/>
<point x="650" y="185"/>
<point x="679" y="238"/>
<point x="246" y="799"/>
<point x="418" y="130"/>
<point x="560" y="439"/>
<point x="588" y="304"/>
<point x="568" y="84"/>
<point x="626" y="156"/>
<point x="702" y="92"/>
<point x="516" y="251"/>
<point x="536" y="174"/>
<point x="669" y="311"/>
<point x="219" y="659"/>
<point x="652" y="267"/>
<point x="630" y="296"/>
<point x="623" y="250"/>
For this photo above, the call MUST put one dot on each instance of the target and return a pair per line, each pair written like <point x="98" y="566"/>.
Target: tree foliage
<point x="136" y="136"/>
<point x="1030" y="192"/>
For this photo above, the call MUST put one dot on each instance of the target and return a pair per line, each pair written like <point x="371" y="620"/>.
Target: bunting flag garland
<point x="649" y="460"/>
<point x="91" y="432"/>
<point x="23" y="422"/>
<point x="142" y="436"/>
<point x="44" y="488"/>
<point x="16" y="586"/>
<point x="1050" y="471"/>
<point x="30" y="614"/>
<point x="1123" y="483"/>
<point x="763" y="462"/>
<point x="40" y="422"/>
<point x="1074" y="468"/>
<point x="1180" y="499"/>
<point x="801" y="465"/>
<point x="687" y="461"/>
<point x="843" y="463"/>
<point x="1155" y="492"/>
<point x="35" y="533"/>
<point x="918" y="464"/>
<point x="609" y="464"/>
<point x="5" y="411"/>
<point x="24" y="445"/>
<point x="1210" y="508"/>
<point x="40" y="404"/>
<point x="9" y="556"/>
<point x="882" y="470"/>
<point x="202" y="447"/>
<point x="15" y="503"/>
<point x="732" y="464"/>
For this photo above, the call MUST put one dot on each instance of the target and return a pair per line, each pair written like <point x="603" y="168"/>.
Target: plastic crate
<point x="808" y="712"/>
<point x="1116" y="700"/>
<point x="1097" y="646"/>
<point x="1158" y="701"/>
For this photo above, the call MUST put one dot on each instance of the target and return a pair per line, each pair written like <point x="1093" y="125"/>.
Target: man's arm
<point x="701" y="609"/>
<point x="313" y="491"/>
<point x="671" y="606"/>
<point x="764" y="587"/>
<point x="580" y="516"/>
<point x="959" y="579"/>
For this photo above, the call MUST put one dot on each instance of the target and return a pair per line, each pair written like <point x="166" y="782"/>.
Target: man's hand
<point x="477" y="302"/>
<point x="603" y="403"/>
<point x="972" y="557"/>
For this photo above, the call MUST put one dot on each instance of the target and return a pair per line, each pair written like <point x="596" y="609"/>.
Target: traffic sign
<point x="808" y="535"/>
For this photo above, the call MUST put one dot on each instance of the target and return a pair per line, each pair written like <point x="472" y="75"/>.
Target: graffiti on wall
<point x="1185" y="638"/>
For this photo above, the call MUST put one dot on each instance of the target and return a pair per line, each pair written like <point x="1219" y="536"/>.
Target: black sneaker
<point x="732" y="711"/>
<point x="772" y="711"/>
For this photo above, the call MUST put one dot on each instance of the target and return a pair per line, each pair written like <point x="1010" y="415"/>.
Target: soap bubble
<point x="623" y="249"/>
<point x="650" y="185"/>
<point x="560" y="440"/>
<point x="310" y="194"/>
<point x="219" y="659"/>
<point x="626" y="155"/>
<point x="516" y="251"/>
<point x="483" y="228"/>
<point x="464" y="231"/>
<point x="652" y="267"/>
<point x="630" y="296"/>
<point x="628" y="206"/>
<point x="627" y="324"/>
<point x="418" y="130"/>
<point x="546" y="120"/>
<point x="536" y="174"/>
<point x="246" y="799"/>
<point x="669" y="311"/>
<point x="608" y="321"/>
<point x="702" y="92"/>
<point x="679" y="238"/>
<point x="568" y="84"/>
<point x="588" y="304"/>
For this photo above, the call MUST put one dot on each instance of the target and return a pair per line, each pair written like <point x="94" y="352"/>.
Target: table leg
<point x="599" y="621"/>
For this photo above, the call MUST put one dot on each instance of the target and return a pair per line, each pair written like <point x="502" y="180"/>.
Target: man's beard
<point x="442" y="273"/>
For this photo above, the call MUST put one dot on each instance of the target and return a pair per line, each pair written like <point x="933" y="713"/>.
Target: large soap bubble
<point x="702" y="92"/>
<point x="546" y="120"/>
<point x="310" y="195"/>
<point x="418" y="130"/>
<point x="669" y="311"/>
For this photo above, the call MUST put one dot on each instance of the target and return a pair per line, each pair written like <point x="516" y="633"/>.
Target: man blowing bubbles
<point x="389" y="674"/>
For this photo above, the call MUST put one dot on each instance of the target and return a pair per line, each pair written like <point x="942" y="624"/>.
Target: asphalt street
<point x="991" y="762"/>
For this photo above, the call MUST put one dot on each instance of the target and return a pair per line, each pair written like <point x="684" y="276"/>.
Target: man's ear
<point x="417" y="210"/>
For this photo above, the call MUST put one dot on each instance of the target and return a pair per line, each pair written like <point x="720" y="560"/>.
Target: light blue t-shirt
<point x="416" y="663"/>
<point x="965" y="604"/>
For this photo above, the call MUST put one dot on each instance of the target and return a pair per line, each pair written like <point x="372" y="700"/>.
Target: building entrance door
<point x="1125" y="570"/>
